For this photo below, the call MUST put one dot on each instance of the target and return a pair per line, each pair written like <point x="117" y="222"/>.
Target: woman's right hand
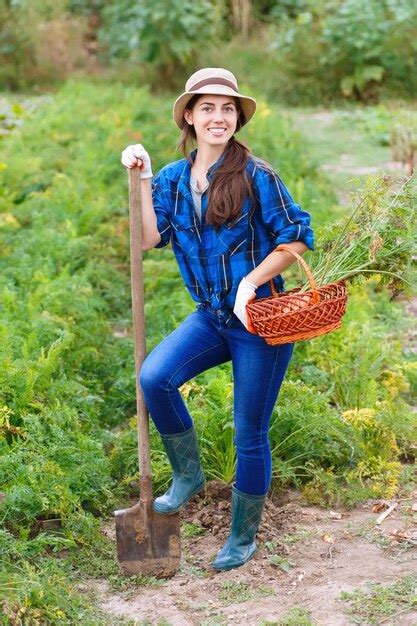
<point x="136" y="156"/>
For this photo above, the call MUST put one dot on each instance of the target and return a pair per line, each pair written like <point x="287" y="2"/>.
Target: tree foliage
<point x="167" y="33"/>
<point x="353" y="46"/>
<point x="367" y="39"/>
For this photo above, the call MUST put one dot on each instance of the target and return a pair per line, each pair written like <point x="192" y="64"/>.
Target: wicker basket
<point x="295" y="315"/>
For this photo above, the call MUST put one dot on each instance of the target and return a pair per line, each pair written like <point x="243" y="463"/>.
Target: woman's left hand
<point x="245" y="293"/>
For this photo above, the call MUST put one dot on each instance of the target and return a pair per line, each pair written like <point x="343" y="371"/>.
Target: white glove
<point x="136" y="156"/>
<point x="245" y="293"/>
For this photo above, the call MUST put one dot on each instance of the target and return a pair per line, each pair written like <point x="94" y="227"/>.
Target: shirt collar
<point x="184" y="179"/>
<point x="213" y="167"/>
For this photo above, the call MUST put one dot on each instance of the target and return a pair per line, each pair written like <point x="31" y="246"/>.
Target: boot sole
<point x="172" y="511"/>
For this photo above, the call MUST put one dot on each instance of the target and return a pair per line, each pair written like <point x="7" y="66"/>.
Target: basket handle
<point x="302" y="262"/>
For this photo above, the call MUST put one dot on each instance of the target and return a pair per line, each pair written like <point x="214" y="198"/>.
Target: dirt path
<point x="342" y="150"/>
<point x="306" y="558"/>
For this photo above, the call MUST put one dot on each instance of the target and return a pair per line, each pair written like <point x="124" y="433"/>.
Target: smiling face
<point x="214" y="119"/>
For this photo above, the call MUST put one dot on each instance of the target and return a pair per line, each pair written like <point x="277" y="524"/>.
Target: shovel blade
<point x="148" y="543"/>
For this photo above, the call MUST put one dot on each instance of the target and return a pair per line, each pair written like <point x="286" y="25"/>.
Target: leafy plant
<point x="355" y="48"/>
<point x="377" y="238"/>
<point x="304" y="427"/>
<point x="164" y="33"/>
<point x="191" y="529"/>
<point x="36" y="589"/>
<point x="365" y="37"/>
<point x="215" y="398"/>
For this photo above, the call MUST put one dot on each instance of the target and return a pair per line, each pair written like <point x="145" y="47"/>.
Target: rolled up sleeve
<point x="282" y="216"/>
<point x="161" y="205"/>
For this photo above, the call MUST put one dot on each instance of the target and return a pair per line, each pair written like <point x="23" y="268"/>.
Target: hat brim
<point x="247" y="103"/>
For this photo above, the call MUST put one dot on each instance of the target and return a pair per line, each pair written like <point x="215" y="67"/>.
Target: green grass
<point x="301" y="534"/>
<point x="296" y="616"/>
<point x="232" y="593"/>
<point x="97" y="560"/>
<point x="45" y="592"/>
<point x="281" y="562"/>
<point x="350" y="143"/>
<point x="382" y="602"/>
<point x="191" y="529"/>
<point x="215" y="619"/>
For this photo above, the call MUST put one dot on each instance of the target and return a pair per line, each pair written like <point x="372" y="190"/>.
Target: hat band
<point x="213" y="81"/>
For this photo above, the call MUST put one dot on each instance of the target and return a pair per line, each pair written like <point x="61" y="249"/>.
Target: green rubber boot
<point x="188" y="478"/>
<point x="246" y="517"/>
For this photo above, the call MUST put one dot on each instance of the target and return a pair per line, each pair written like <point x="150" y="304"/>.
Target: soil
<point x="306" y="557"/>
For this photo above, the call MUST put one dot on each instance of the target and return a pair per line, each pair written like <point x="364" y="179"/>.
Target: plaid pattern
<point x="246" y="514"/>
<point x="182" y="451"/>
<point x="213" y="264"/>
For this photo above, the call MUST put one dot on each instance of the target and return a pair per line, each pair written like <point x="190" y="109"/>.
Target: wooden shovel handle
<point x="138" y="314"/>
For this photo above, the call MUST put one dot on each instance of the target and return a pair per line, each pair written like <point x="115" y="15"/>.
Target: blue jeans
<point x="205" y="339"/>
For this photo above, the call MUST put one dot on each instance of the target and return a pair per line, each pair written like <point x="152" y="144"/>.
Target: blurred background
<point x="296" y="51"/>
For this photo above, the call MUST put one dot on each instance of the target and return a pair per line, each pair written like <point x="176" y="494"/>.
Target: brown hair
<point x="230" y="185"/>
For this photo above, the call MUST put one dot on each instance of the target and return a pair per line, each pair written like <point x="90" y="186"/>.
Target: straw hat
<point x="212" y="80"/>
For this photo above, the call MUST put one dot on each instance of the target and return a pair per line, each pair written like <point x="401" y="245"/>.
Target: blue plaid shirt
<point x="212" y="263"/>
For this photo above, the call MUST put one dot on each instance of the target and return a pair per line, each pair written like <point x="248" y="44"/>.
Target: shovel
<point x="148" y="543"/>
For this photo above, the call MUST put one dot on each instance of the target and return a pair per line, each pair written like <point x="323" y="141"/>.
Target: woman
<point x="224" y="211"/>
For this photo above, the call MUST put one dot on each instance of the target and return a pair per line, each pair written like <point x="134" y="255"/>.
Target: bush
<point x="35" y="589"/>
<point x="165" y="34"/>
<point x="353" y="48"/>
<point x="370" y="41"/>
<point x="39" y="43"/>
